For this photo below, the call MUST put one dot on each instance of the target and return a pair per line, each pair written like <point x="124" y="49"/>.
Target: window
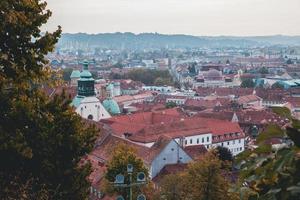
<point x="207" y="139"/>
<point x="222" y="144"/>
<point x="185" y="141"/>
<point x="197" y="140"/>
<point x="172" y="149"/>
<point x="202" y="140"/>
<point x="191" y="141"/>
<point x="207" y="146"/>
<point x="164" y="159"/>
<point x="180" y="158"/>
<point x="239" y="140"/>
<point x="233" y="142"/>
<point x="241" y="148"/>
<point x="228" y="143"/>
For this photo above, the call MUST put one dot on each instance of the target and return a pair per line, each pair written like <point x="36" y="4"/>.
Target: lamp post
<point x="120" y="182"/>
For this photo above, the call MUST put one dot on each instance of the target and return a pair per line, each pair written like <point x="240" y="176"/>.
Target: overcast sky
<point x="195" y="17"/>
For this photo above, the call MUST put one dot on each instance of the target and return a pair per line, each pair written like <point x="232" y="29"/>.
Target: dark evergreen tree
<point x="41" y="140"/>
<point x="247" y="83"/>
<point x="224" y="154"/>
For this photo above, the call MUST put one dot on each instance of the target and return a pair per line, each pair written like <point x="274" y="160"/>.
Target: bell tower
<point x="86" y="82"/>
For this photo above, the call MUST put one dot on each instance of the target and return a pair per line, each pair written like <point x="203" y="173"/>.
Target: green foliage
<point x="263" y="70"/>
<point x="224" y="154"/>
<point x="67" y="73"/>
<point x="247" y="83"/>
<point x="203" y="180"/>
<point x="41" y="140"/>
<point x="171" y="104"/>
<point x="277" y="85"/>
<point x="289" y="62"/>
<point x="263" y="149"/>
<point x="172" y="187"/>
<point x="295" y="123"/>
<point x="271" y="131"/>
<point x="272" y="174"/>
<point x="121" y="157"/>
<point x="283" y="112"/>
<point x="294" y="134"/>
<point x="22" y="44"/>
<point x="151" y="77"/>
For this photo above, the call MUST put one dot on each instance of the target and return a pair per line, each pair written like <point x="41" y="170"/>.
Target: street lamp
<point x="140" y="180"/>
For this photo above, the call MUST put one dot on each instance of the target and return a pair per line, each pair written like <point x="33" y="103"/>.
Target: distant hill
<point x="155" y="40"/>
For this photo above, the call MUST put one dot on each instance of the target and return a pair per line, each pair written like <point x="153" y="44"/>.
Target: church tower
<point x="86" y="82"/>
<point x="86" y="104"/>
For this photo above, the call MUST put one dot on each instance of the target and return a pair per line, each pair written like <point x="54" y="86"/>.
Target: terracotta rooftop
<point x="248" y="99"/>
<point x="195" y="151"/>
<point x="169" y="169"/>
<point x="149" y="126"/>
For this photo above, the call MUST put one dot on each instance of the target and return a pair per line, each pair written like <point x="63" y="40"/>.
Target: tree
<point x="172" y="187"/>
<point x="263" y="70"/>
<point x="289" y="62"/>
<point x="277" y="85"/>
<point x="272" y="174"/>
<point x="22" y="44"/>
<point x="224" y="154"/>
<point x="66" y="74"/>
<point x="247" y="83"/>
<point x="171" y="104"/>
<point x="151" y="77"/>
<point x="203" y="180"/>
<point x="121" y="157"/>
<point x="41" y="140"/>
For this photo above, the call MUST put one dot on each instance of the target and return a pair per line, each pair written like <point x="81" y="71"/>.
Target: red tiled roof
<point x="170" y="169"/>
<point x="149" y="126"/>
<point x="104" y="151"/>
<point x="195" y="151"/>
<point x="248" y="99"/>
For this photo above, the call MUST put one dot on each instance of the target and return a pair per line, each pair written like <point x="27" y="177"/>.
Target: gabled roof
<point x="159" y="145"/>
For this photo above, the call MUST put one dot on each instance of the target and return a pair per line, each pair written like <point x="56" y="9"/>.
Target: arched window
<point x="90" y="117"/>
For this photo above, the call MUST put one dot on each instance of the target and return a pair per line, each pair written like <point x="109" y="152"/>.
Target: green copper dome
<point x="75" y="74"/>
<point x="111" y="106"/>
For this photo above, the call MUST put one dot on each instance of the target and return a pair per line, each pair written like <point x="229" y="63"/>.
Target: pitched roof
<point x="195" y="151"/>
<point x="248" y="99"/>
<point x="149" y="126"/>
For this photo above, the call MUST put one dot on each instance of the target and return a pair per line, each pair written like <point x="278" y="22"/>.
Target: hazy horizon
<point x="188" y="17"/>
<point x="183" y="34"/>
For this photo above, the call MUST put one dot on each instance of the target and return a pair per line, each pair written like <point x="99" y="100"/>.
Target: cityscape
<point x="146" y="115"/>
